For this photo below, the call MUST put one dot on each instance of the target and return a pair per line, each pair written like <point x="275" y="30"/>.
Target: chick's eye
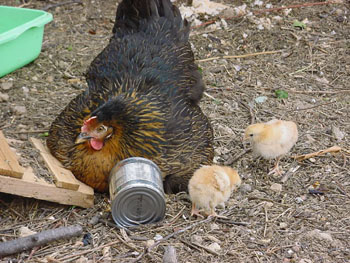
<point x="251" y="135"/>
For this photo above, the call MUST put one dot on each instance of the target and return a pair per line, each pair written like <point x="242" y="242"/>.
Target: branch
<point x="39" y="239"/>
<point x="315" y="154"/>
<point x="146" y="251"/>
<point x="240" y="56"/>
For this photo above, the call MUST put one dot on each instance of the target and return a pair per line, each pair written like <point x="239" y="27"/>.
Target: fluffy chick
<point x="272" y="139"/>
<point x="211" y="186"/>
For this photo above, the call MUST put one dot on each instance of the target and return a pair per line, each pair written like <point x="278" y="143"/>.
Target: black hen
<point x="142" y="96"/>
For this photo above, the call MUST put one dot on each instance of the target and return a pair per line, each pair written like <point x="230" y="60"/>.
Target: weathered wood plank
<point x="63" y="177"/>
<point x="9" y="165"/>
<point x="31" y="186"/>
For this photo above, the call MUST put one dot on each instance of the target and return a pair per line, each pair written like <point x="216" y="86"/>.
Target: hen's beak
<point x="82" y="137"/>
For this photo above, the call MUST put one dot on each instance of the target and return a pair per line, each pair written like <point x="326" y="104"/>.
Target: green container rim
<point x="17" y="31"/>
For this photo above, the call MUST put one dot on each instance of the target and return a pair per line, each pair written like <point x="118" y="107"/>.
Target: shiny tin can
<point x="136" y="192"/>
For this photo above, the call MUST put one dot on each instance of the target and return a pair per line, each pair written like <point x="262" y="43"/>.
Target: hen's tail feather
<point x="131" y="12"/>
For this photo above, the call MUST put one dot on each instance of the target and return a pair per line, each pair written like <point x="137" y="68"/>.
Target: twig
<point x="64" y="259"/>
<point x="231" y="222"/>
<point x="62" y="3"/>
<point x="206" y="249"/>
<point x="291" y="171"/>
<point x="239" y="156"/>
<point x="33" y="131"/>
<point x="12" y="210"/>
<point x="240" y="56"/>
<point x="39" y="239"/>
<point x="146" y="251"/>
<point x="315" y="154"/>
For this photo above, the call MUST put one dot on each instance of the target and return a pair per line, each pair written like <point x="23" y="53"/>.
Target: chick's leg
<point x="195" y="211"/>
<point x="276" y="169"/>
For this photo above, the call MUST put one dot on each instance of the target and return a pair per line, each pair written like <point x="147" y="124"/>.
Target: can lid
<point x="138" y="204"/>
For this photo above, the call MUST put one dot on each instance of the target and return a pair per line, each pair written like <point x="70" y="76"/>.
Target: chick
<point x="272" y="139"/>
<point x="211" y="186"/>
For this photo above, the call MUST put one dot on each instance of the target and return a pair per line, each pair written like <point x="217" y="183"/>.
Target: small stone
<point x="150" y="243"/>
<point x="215" y="247"/>
<point x="214" y="226"/>
<point x="283" y="225"/>
<point x="157" y="237"/>
<point x="35" y="78"/>
<point x="4" y="97"/>
<point x="19" y="110"/>
<point x="299" y="200"/>
<point x="25" y="90"/>
<point x="25" y="231"/>
<point x="316" y="233"/>
<point x="337" y="133"/>
<point x="276" y="187"/>
<point x="50" y="78"/>
<point x="196" y="239"/>
<point x="6" y="85"/>
<point x="268" y="204"/>
<point x="51" y="218"/>
<point x="246" y="188"/>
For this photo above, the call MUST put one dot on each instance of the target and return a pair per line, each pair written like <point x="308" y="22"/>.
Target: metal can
<point x="136" y="192"/>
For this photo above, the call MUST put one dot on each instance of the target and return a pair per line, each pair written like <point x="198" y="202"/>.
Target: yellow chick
<point x="211" y="186"/>
<point x="272" y="139"/>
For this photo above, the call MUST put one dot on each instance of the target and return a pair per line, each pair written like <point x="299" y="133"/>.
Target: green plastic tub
<point x="21" y="36"/>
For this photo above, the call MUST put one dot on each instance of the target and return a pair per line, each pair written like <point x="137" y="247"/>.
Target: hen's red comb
<point x="90" y="121"/>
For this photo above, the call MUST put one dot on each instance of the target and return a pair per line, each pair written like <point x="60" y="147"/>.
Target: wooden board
<point x="31" y="186"/>
<point x="9" y="165"/>
<point x="63" y="178"/>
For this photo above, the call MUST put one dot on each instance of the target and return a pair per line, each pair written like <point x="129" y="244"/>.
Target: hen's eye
<point x="102" y="128"/>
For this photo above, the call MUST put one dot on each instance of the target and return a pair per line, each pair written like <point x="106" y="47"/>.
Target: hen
<point x="142" y="100"/>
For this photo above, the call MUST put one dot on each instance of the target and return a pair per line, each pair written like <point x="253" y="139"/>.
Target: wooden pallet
<point x="16" y="180"/>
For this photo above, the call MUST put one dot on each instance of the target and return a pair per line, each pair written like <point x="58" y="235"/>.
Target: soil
<point x="271" y="218"/>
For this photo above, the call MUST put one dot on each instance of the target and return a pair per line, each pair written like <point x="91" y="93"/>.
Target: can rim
<point x="133" y="160"/>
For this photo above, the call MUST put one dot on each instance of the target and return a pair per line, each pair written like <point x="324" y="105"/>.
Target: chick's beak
<point x="82" y="137"/>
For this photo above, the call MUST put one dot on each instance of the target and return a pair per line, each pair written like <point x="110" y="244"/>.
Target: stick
<point x="240" y="56"/>
<point x="39" y="239"/>
<point x="315" y="154"/>
<point x="62" y="3"/>
<point x="146" y="251"/>
<point x="231" y="222"/>
<point x="170" y="255"/>
<point x="289" y="173"/>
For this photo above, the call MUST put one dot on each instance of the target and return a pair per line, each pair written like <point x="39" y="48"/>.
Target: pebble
<point x="246" y="188"/>
<point x="316" y="233"/>
<point x="196" y="239"/>
<point x="214" y="226"/>
<point x="4" y="97"/>
<point x="6" y="85"/>
<point x="283" y="225"/>
<point x="276" y="187"/>
<point x="19" y="110"/>
<point x="150" y="243"/>
<point x="215" y="247"/>
<point x="25" y="231"/>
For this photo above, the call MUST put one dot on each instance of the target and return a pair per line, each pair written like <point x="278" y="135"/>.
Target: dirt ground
<point x="271" y="218"/>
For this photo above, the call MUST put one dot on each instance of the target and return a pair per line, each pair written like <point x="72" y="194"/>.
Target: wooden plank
<point x="8" y="161"/>
<point x="63" y="177"/>
<point x="33" y="187"/>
